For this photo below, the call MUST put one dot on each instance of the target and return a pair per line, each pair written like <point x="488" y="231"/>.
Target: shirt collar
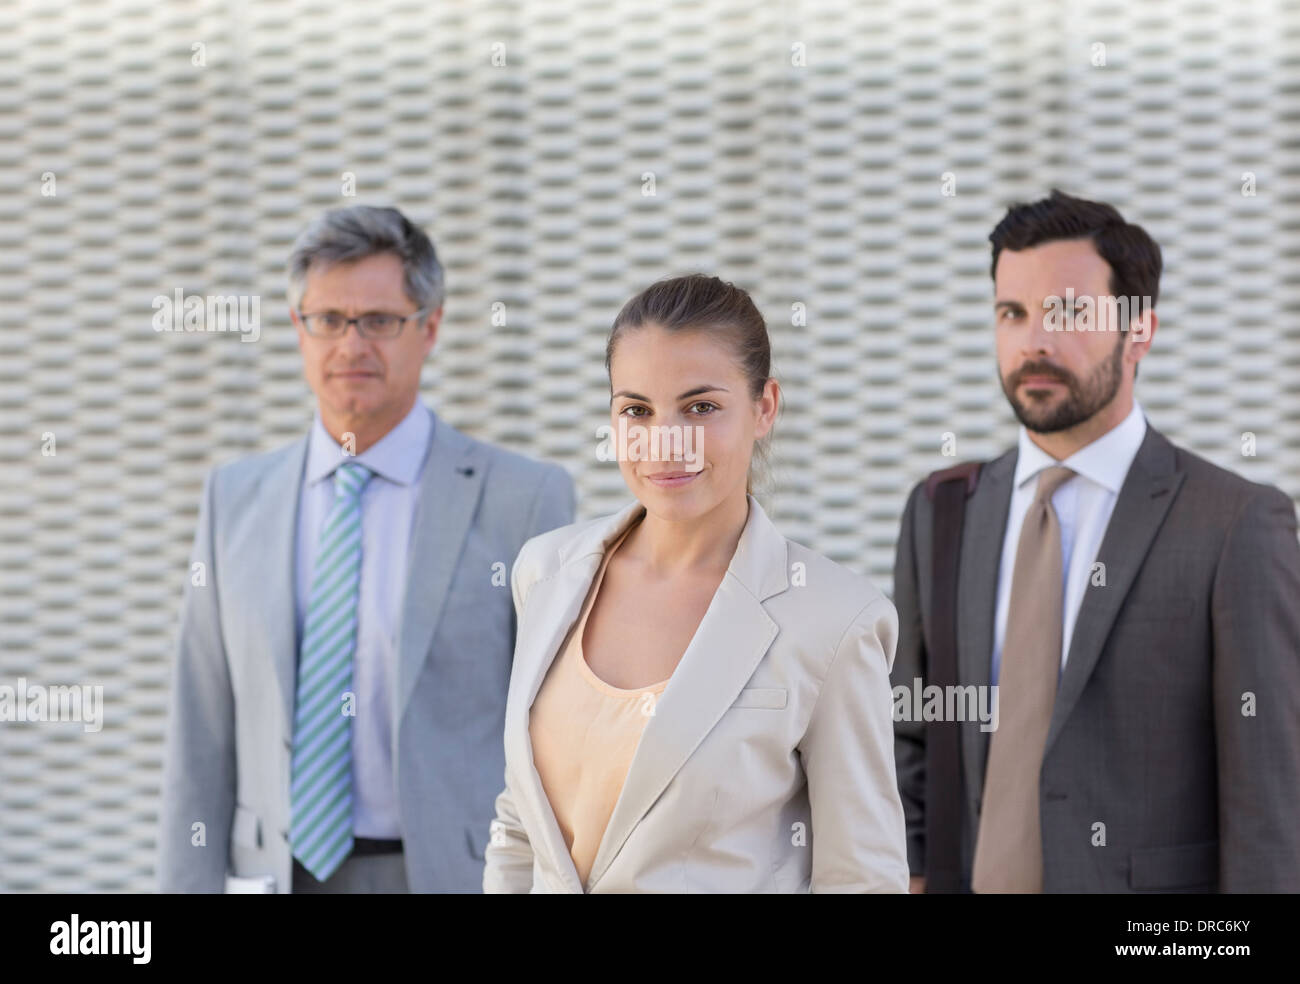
<point x="397" y="456"/>
<point x="1105" y="461"/>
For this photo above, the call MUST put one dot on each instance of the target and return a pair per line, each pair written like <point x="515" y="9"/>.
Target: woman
<point x="697" y="704"/>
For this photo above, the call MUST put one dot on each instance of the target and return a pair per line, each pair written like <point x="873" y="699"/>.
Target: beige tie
<point x="1009" y="847"/>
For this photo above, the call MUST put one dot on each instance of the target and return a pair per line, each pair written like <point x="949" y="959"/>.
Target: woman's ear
<point x="768" y="403"/>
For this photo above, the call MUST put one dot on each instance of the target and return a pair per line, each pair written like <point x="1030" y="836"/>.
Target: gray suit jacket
<point x="1200" y="610"/>
<point x="231" y="715"/>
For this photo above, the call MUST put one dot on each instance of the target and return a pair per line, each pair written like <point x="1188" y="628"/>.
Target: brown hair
<point x="700" y="303"/>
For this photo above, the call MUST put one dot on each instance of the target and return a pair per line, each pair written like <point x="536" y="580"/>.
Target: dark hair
<point x="700" y="303"/>
<point x="1133" y="256"/>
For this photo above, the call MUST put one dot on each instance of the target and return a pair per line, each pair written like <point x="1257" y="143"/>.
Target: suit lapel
<point x="726" y="649"/>
<point x="727" y="646"/>
<point x="275" y="534"/>
<point x="1144" y="499"/>
<point x="450" y="483"/>
<point x="977" y="593"/>
<point x="554" y="604"/>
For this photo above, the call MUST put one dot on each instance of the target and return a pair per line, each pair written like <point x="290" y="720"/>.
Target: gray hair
<point x="357" y="231"/>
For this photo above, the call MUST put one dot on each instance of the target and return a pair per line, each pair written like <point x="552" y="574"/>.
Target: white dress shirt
<point x="1083" y="505"/>
<point x="387" y="510"/>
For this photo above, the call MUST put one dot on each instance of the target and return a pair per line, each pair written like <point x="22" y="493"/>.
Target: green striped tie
<point x="320" y="830"/>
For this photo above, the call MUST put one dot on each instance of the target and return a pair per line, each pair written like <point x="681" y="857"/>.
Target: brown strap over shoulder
<point x="944" y="793"/>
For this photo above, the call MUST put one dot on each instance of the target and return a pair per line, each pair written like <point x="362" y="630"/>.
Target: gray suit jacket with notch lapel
<point x="1200" y="610"/>
<point x="231" y="710"/>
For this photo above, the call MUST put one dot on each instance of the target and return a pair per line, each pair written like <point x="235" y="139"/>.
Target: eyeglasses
<point x="375" y="324"/>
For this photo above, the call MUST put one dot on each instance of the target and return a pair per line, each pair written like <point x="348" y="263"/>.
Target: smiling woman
<point x="701" y="312"/>
<point x="684" y="715"/>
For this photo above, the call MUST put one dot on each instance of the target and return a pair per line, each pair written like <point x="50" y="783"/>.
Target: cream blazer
<point x="768" y="764"/>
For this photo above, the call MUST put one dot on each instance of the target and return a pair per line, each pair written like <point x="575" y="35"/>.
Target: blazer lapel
<point x="977" y="593"/>
<point x="450" y="483"/>
<point x="1145" y="497"/>
<point x="730" y="641"/>
<point x="275" y="535"/>
<point x="553" y="606"/>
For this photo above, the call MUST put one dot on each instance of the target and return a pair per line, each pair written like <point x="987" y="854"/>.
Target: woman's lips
<point x="672" y="480"/>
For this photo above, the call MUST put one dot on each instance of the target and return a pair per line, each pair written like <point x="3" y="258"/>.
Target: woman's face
<point x="684" y="421"/>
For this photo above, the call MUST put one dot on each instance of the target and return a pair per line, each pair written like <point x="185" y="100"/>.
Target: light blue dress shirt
<point x="387" y="512"/>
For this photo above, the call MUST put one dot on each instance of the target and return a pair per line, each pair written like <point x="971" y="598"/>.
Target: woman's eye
<point x="629" y="411"/>
<point x="708" y="408"/>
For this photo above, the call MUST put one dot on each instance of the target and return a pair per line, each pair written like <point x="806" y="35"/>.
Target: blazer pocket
<point x="770" y="697"/>
<point x="1182" y="866"/>
<point x="246" y="828"/>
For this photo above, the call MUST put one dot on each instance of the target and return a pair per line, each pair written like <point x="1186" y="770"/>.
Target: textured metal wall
<point x="816" y="184"/>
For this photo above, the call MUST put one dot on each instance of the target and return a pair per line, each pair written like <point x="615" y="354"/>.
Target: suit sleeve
<point x="1256" y="625"/>
<point x="508" y="859"/>
<point x="909" y="664"/>
<point x="858" y="839"/>
<point x="198" y="781"/>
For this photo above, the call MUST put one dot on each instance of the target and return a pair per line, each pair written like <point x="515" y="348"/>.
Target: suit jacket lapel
<point x="450" y="483"/>
<point x="275" y="535"/>
<point x="730" y="641"/>
<point x="977" y="593"/>
<point x="557" y="602"/>
<point x="1148" y="491"/>
<point x="553" y="606"/>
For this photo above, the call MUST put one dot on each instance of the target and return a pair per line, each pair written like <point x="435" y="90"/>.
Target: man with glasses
<point x="341" y="677"/>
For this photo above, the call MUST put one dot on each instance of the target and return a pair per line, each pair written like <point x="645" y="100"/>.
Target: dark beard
<point x="1082" y="400"/>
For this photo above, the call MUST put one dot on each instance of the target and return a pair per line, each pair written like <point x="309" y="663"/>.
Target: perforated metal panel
<point x="798" y="149"/>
